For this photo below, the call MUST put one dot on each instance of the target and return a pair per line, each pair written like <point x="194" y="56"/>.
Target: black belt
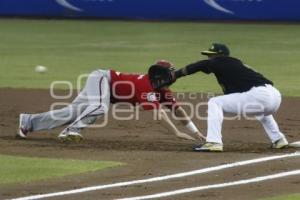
<point x="262" y="85"/>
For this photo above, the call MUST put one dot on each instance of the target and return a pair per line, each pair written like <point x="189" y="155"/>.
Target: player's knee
<point x="262" y="118"/>
<point x="90" y="120"/>
<point x="214" y="102"/>
<point x="101" y="109"/>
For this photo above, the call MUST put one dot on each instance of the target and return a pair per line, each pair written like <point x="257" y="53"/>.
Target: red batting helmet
<point x="165" y="63"/>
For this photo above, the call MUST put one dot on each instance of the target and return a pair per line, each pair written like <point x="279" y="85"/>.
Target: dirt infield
<point x="150" y="151"/>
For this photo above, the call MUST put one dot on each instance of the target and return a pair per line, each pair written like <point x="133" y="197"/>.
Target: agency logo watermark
<point x="93" y="101"/>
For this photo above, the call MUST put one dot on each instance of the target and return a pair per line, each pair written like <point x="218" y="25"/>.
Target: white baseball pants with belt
<point x="261" y="102"/>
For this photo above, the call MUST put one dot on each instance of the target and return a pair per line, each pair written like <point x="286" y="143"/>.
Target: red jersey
<point x="137" y="89"/>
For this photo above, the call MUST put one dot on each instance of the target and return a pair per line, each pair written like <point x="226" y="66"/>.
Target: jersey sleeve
<point x="167" y="99"/>
<point x="203" y="65"/>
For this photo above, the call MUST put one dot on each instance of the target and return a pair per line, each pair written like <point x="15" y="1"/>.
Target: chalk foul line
<point x="221" y="185"/>
<point x="160" y="178"/>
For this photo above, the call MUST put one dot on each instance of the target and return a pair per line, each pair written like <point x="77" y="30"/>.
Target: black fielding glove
<point x="179" y="73"/>
<point x="160" y="76"/>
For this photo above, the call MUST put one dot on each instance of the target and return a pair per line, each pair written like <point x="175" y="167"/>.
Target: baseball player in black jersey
<point x="246" y="92"/>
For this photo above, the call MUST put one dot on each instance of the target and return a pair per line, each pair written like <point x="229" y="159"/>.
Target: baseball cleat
<point x="281" y="143"/>
<point x="22" y="132"/>
<point x="70" y="136"/>
<point x="209" y="147"/>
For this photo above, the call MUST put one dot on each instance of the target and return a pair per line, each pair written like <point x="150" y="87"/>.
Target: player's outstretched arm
<point x="171" y="127"/>
<point x="161" y="76"/>
<point x="203" y="66"/>
<point x="186" y="121"/>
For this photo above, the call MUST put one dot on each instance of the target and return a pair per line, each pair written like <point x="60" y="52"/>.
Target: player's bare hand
<point x="201" y="137"/>
<point x="185" y="136"/>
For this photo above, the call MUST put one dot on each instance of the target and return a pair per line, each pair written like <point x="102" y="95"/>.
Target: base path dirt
<point x="149" y="150"/>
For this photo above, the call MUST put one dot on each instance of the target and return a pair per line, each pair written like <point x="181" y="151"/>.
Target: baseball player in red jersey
<point x="102" y="88"/>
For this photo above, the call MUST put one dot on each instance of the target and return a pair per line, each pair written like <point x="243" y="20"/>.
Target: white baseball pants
<point x="91" y="103"/>
<point x="260" y="102"/>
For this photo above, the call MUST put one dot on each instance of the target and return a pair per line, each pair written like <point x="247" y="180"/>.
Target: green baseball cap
<point x="217" y="49"/>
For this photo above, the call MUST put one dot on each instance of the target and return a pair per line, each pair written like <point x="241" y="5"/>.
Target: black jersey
<point x="231" y="73"/>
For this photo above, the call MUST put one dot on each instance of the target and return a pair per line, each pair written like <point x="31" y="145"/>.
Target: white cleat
<point x="22" y="132"/>
<point x="280" y="144"/>
<point x="209" y="147"/>
<point x="70" y="136"/>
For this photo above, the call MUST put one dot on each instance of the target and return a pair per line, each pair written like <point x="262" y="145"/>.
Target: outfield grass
<point x="15" y="169"/>
<point x="287" y="197"/>
<point x="70" y="47"/>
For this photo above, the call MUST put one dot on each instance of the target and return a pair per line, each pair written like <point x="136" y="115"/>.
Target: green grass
<point x="15" y="169"/>
<point x="288" y="197"/>
<point x="69" y="48"/>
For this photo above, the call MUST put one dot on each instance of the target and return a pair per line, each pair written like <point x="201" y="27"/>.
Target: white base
<point x="295" y="144"/>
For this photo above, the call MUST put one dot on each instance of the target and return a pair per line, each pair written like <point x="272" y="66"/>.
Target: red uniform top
<point x="136" y="89"/>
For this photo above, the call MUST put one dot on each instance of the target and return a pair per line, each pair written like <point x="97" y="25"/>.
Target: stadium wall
<point x="273" y="10"/>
